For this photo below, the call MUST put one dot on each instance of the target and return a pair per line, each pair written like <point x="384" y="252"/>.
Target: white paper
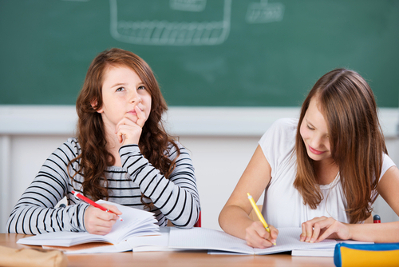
<point x="202" y="238"/>
<point x="329" y="252"/>
<point x="151" y="243"/>
<point x="288" y="239"/>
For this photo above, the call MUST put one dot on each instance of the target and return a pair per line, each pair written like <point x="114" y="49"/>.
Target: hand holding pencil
<point x="256" y="231"/>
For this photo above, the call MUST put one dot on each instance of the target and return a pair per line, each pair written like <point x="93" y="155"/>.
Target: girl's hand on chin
<point x="129" y="129"/>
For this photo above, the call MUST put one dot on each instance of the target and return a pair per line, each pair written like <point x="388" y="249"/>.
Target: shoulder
<point x="73" y="144"/>
<point x="279" y="141"/>
<point x="387" y="160"/>
<point x="286" y="124"/>
<point x="283" y="129"/>
<point x="387" y="163"/>
<point x="69" y="147"/>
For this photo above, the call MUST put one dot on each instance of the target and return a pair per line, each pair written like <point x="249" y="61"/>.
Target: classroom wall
<point x="220" y="152"/>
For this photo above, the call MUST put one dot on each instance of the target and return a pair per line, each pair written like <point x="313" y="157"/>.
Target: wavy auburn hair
<point x="356" y="141"/>
<point x="94" y="157"/>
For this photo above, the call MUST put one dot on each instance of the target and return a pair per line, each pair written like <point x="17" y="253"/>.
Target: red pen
<point x="94" y="204"/>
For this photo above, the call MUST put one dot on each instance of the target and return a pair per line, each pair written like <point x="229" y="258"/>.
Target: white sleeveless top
<point x="283" y="204"/>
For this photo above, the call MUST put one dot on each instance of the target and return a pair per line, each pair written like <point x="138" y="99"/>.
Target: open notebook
<point x="135" y="223"/>
<point x="216" y="242"/>
<point x="219" y="242"/>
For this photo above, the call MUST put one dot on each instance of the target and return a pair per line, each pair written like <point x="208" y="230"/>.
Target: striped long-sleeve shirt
<point x="175" y="199"/>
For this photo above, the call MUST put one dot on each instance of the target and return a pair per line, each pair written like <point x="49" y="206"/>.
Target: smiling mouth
<point x="314" y="151"/>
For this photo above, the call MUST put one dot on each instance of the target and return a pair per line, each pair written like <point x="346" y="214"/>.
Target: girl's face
<point x="314" y="133"/>
<point x="122" y="90"/>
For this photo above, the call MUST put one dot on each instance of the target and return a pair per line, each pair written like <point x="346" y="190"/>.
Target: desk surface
<point x="176" y="259"/>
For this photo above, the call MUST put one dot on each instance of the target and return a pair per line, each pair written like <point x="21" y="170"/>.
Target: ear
<point x="93" y="104"/>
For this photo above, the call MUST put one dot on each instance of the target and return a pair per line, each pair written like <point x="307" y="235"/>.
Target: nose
<point x="134" y="97"/>
<point x="316" y="141"/>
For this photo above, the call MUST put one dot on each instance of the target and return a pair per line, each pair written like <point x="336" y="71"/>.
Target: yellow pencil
<point x="257" y="211"/>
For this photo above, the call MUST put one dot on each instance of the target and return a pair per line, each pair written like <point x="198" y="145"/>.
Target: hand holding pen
<point x="255" y="231"/>
<point x="97" y="221"/>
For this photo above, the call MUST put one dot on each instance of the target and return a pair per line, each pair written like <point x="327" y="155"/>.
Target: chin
<point x="314" y="157"/>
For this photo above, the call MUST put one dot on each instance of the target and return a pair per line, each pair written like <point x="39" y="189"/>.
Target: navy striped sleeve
<point x="177" y="197"/>
<point x="35" y="211"/>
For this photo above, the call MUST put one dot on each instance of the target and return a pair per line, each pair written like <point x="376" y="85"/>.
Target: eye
<point x="310" y="127"/>
<point x="141" y="87"/>
<point x="120" y="89"/>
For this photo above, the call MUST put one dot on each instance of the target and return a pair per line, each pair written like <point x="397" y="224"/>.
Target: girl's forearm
<point x="234" y="220"/>
<point x="376" y="232"/>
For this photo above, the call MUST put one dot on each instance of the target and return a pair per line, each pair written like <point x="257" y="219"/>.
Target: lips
<point x="314" y="151"/>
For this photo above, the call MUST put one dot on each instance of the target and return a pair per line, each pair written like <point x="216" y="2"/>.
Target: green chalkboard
<point x="203" y="52"/>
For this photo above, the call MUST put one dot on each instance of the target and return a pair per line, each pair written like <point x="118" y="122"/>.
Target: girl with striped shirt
<point x="122" y="153"/>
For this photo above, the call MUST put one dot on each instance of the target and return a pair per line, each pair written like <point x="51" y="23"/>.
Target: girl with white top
<point x="321" y="172"/>
<point x="122" y="153"/>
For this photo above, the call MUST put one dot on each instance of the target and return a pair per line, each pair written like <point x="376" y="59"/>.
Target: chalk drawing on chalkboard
<point x="264" y="12"/>
<point x="188" y="5"/>
<point x="197" y="28"/>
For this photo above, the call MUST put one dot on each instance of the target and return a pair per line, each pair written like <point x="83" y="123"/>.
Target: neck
<point x="113" y="144"/>
<point x="326" y="171"/>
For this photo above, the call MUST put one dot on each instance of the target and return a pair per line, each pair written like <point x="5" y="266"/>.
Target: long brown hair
<point x="356" y="141"/>
<point x="154" y="141"/>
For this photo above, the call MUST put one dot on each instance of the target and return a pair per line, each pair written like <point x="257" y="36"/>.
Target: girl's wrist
<point x="351" y="229"/>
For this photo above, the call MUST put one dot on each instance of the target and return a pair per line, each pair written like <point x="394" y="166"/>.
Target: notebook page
<point x="135" y="222"/>
<point x="288" y="239"/>
<point x="151" y="243"/>
<point x="63" y="239"/>
<point x="200" y="238"/>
